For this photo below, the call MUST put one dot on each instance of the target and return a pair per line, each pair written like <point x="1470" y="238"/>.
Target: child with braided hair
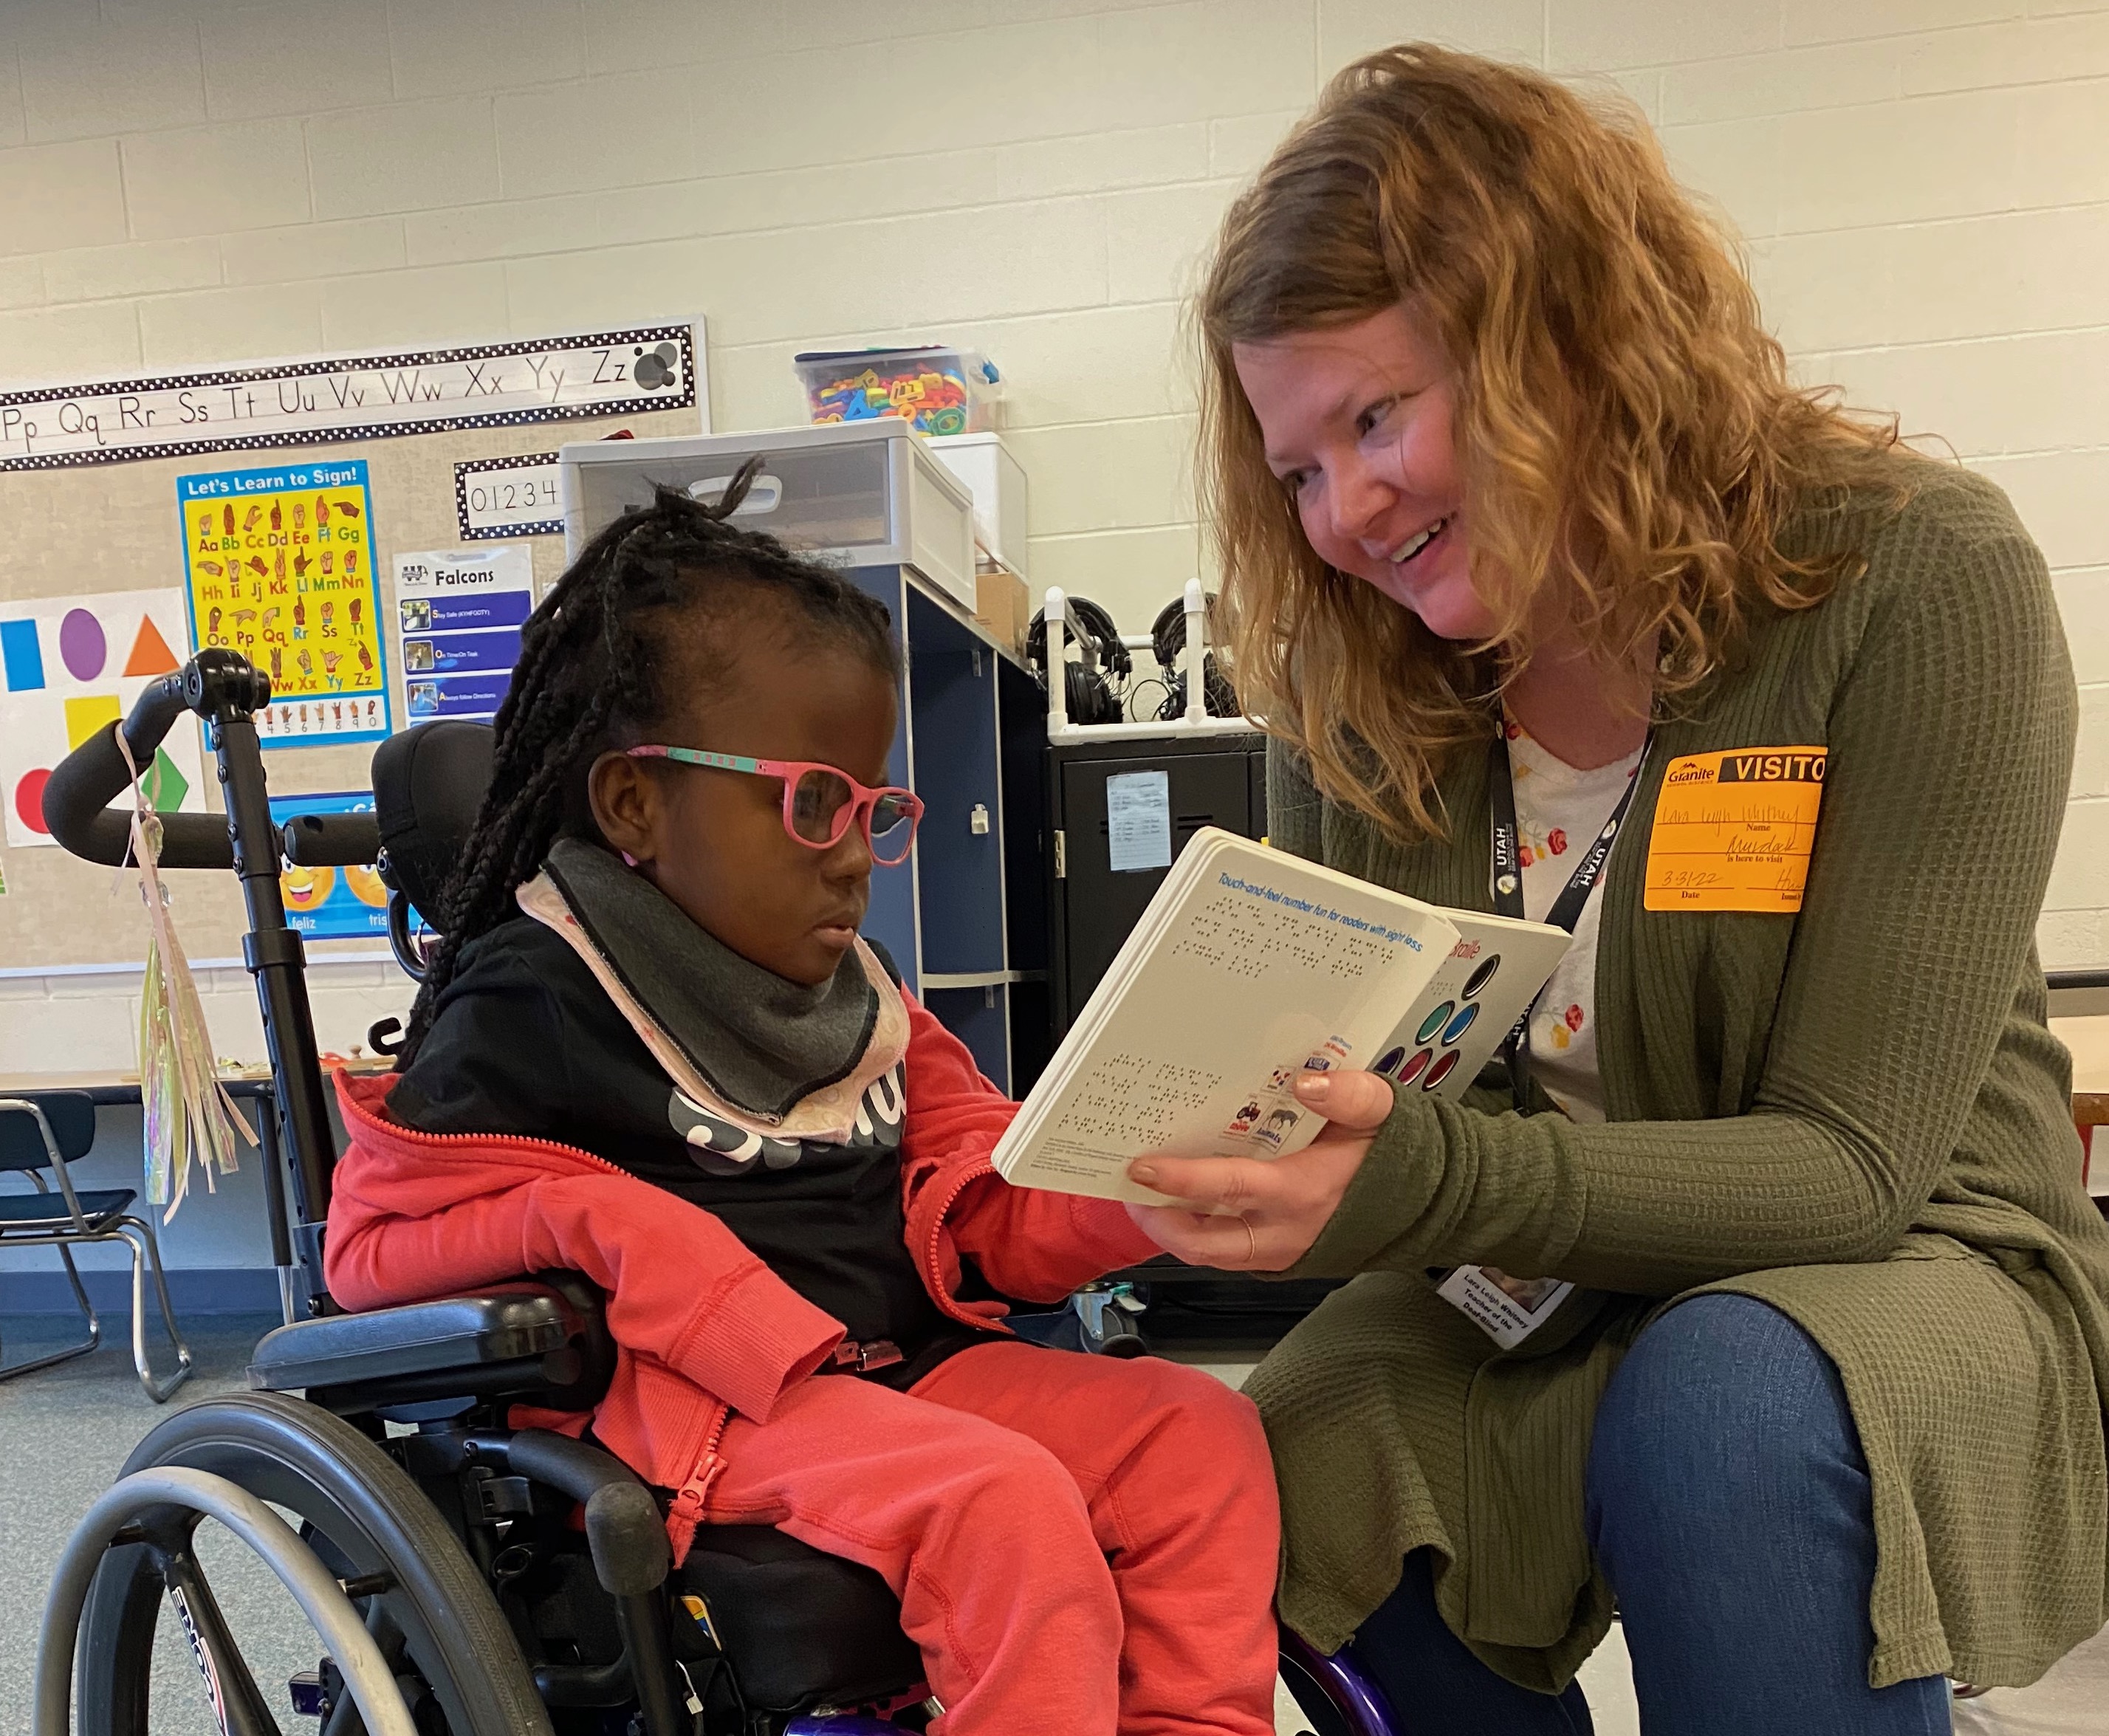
<point x="654" y="1048"/>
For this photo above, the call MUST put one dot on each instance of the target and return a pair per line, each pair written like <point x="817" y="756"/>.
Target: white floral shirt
<point x="1560" y="810"/>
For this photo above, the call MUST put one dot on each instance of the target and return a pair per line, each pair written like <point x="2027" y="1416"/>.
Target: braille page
<point x="1249" y="966"/>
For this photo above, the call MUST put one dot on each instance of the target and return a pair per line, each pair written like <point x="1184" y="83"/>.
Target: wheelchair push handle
<point x="227" y="691"/>
<point x="331" y="840"/>
<point x="85" y="783"/>
<point x="77" y="798"/>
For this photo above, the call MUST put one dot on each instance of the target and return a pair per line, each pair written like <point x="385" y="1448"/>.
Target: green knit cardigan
<point x="1855" y="1114"/>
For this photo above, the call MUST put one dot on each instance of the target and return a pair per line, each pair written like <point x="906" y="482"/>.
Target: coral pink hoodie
<point x="702" y="1326"/>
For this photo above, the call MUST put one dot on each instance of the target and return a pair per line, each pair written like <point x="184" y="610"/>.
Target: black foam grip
<point x="628" y="1539"/>
<point x="623" y="1528"/>
<point x="332" y="840"/>
<point x="78" y="796"/>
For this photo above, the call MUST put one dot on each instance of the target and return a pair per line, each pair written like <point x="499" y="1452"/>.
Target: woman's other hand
<point x="1254" y="1215"/>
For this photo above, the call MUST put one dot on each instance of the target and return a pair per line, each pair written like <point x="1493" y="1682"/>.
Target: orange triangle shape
<point x="150" y="655"/>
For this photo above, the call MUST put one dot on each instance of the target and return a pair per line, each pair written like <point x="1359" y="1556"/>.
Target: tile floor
<point x="66" y="1430"/>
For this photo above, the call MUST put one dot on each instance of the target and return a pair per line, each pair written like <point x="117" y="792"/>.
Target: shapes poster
<point x="462" y="611"/>
<point x="281" y="568"/>
<point x="327" y="904"/>
<point x="68" y="666"/>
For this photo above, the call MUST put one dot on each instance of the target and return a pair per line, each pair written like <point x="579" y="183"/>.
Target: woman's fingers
<point x="1200" y="1238"/>
<point x="1356" y="1101"/>
<point x="1212" y="1184"/>
<point x="1247" y="1214"/>
<point x="1355" y="1105"/>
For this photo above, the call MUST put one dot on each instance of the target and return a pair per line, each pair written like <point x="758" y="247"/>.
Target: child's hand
<point x="1250" y="1215"/>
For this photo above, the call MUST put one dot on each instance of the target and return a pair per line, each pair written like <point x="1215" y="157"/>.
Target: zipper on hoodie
<point x="416" y="1136"/>
<point x="933" y="1273"/>
<point x="685" y="1512"/>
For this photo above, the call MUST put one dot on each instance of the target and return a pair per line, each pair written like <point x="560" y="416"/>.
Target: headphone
<point x="1094" y="687"/>
<point x="1168" y="638"/>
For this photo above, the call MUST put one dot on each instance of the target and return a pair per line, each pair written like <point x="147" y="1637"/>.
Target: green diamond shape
<point x="166" y="786"/>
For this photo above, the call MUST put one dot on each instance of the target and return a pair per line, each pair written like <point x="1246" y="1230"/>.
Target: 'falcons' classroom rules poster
<point x="279" y="566"/>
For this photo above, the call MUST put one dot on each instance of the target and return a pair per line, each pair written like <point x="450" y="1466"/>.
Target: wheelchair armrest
<point x="544" y="1336"/>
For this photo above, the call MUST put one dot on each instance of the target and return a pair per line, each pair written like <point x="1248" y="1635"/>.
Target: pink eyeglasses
<point x="820" y="802"/>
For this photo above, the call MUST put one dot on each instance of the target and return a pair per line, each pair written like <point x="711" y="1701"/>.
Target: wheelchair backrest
<point x="428" y="783"/>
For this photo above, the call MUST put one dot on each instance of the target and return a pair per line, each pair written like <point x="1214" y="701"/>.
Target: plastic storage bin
<point x="997" y="482"/>
<point x="862" y="493"/>
<point x="937" y="389"/>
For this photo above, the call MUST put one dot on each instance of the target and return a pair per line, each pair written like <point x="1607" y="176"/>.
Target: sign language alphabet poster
<point x="281" y="568"/>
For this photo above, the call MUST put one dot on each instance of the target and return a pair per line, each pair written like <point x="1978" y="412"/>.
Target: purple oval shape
<point x="82" y="647"/>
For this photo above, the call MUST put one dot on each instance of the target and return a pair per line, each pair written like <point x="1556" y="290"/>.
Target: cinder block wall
<point x="1924" y="185"/>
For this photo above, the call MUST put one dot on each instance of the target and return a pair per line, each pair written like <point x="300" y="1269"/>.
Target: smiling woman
<point x="1524" y="307"/>
<point x="1523" y="525"/>
<point x="1360" y="423"/>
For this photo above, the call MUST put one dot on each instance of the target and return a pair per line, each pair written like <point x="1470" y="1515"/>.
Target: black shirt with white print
<point x="525" y="1042"/>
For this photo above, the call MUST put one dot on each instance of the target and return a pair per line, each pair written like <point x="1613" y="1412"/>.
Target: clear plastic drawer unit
<point x="859" y="494"/>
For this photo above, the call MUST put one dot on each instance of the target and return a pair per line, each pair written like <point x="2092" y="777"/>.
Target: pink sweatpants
<point x="1079" y="1545"/>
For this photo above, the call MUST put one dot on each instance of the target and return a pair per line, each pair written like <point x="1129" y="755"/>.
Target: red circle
<point x="1440" y="1072"/>
<point x="1411" y="1070"/>
<point x="30" y="800"/>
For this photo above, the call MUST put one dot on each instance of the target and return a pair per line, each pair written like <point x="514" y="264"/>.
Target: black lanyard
<point x="1567" y="908"/>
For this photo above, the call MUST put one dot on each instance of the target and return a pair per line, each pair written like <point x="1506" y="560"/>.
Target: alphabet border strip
<point x="314" y="401"/>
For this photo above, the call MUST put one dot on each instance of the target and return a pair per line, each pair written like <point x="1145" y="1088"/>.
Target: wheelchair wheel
<point x="453" y="1654"/>
<point x="1320" y="1715"/>
<point x="1335" y="1697"/>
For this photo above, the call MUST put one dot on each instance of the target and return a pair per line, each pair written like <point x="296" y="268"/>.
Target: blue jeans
<point x="1728" y="1506"/>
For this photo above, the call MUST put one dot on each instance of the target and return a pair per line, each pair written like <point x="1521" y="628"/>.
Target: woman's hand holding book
<point x="1250" y="1215"/>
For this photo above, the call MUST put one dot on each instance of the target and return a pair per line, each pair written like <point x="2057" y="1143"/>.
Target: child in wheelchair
<point x="652" y="1048"/>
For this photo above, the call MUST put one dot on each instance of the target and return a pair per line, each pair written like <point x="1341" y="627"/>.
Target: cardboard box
<point x="1003" y="606"/>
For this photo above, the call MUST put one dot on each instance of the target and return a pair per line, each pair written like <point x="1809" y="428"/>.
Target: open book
<point x="1249" y="966"/>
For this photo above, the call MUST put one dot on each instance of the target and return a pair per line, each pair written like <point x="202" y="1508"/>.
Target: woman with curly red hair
<point x="1759" y="1291"/>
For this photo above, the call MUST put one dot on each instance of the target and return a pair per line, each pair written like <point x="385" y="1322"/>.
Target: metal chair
<point x="45" y="1133"/>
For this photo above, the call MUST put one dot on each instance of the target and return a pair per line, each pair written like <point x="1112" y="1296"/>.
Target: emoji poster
<point x="68" y="666"/>
<point x="281" y="568"/>
<point x="326" y="904"/>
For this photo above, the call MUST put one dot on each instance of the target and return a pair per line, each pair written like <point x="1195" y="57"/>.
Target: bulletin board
<point x="95" y="529"/>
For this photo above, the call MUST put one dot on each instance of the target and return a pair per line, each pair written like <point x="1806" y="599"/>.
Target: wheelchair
<point x="468" y="1577"/>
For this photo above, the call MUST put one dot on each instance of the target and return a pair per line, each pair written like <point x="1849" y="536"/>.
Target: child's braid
<point x="589" y="671"/>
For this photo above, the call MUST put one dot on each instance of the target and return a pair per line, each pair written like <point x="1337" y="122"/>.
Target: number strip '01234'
<point x="517" y="496"/>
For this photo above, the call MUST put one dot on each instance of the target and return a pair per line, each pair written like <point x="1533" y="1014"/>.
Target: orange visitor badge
<point x="1733" y="830"/>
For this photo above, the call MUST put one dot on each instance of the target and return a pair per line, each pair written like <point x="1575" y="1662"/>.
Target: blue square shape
<point x="21" y="656"/>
